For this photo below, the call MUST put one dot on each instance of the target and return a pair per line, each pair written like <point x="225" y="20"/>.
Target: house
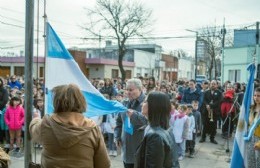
<point x="170" y="71"/>
<point x="15" y="66"/>
<point x="139" y="60"/>
<point x="236" y="59"/>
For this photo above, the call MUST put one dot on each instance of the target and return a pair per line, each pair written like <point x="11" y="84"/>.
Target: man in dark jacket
<point x="128" y="134"/>
<point x="3" y="102"/>
<point x="192" y="93"/>
<point x="212" y="100"/>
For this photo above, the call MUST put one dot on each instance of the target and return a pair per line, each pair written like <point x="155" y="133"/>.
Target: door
<point x="4" y="71"/>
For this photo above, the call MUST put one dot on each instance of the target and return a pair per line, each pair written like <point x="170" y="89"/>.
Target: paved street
<point x="207" y="155"/>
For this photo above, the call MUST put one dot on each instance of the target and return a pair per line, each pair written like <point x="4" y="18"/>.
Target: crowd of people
<point x="171" y="115"/>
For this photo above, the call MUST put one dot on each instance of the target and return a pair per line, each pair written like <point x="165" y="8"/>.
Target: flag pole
<point x="45" y="56"/>
<point x="29" y="31"/>
<point x="255" y="61"/>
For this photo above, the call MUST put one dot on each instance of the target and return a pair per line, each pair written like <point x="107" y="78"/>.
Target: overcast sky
<point x="171" y="17"/>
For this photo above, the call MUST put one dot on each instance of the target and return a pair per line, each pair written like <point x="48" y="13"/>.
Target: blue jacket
<point x="13" y="84"/>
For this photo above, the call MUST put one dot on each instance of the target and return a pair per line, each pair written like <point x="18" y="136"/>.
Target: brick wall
<point x="80" y="57"/>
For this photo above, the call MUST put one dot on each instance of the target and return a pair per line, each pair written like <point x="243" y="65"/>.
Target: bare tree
<point x="180" y="53"/>
<point x="120" y="20"/>
<point x="212" y="37"/>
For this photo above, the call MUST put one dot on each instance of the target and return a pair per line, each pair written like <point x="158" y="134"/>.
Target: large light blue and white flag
<point x="239" y="155"/>
<point x="61" y="68"/>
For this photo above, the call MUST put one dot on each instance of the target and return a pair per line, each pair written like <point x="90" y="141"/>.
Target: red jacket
<point x="14" y="117"/>
<point x="226" y="106"/>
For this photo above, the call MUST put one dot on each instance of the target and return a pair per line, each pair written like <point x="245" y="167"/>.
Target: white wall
<point x="238" y="59"/>
<point x="144" y="62"/>
<point x="185" y="70"/>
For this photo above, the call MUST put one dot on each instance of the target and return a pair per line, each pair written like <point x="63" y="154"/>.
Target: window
<point x="19" y="71"/>
<point x="4" y="71"/>
<point x="114" y="73"/>
<point x="41" y="72"/>
<point x="234" y="75"/>
<point x="128" y="74"/>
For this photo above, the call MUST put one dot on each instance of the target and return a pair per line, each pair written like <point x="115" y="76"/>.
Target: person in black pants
<point x="212" y="100"/>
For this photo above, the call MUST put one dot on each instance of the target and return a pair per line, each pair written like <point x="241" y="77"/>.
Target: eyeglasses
<point x="130" y="89"/>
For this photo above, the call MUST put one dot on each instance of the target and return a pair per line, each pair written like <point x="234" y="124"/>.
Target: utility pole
<point x="196" y="55"/>
<point x="223" y="32"/>
<point x="29" y="31"/>
<point x="256" y="58"/>
<point x="37" y="49"/>
<point x="196" y="50"/>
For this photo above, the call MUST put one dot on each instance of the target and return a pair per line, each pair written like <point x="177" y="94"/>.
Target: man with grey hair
<point x="128" y="134"/>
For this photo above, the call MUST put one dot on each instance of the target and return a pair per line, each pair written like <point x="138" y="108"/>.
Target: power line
<point x="12" y="19"/>
<point x="10" y="24"/>
<point x="17" y="46"/>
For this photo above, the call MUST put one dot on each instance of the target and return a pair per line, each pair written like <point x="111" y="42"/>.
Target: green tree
<point x="120" y="20"/>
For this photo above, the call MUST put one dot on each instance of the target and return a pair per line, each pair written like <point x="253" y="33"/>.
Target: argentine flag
<point x="239" y="155"/>
<point x="61" y="68"/>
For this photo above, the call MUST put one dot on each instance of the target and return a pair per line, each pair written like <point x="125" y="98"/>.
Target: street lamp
<point x="196" y="46"/>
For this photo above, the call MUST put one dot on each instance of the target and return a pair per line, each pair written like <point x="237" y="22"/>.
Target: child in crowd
<point x="190" y="142"/>
<point x="174" y="107"/>
<point x="180" y="128"/>
<point x="39" y="108"/>
<point x="228" y="109"/>
<point x="109" y="127"/>
<point x="197" y="117"/>
<point x="14" y="119"/>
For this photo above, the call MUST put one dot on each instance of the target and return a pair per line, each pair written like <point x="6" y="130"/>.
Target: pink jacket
<point x="14" y="117"/>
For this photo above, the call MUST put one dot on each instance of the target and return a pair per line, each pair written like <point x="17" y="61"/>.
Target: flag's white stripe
<point x="68" y="72"/>
<point x="241" y="133"/>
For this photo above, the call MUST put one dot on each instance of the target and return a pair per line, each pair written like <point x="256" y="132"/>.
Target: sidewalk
<point x="206" y="155"/>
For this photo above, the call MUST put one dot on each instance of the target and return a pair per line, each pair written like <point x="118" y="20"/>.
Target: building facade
<point x="186" y="68"/>
<point x="237" y="58"/>
<point x="170" y="72"/>
<point x="236" y="61"/>
<point x="15" y="66"/>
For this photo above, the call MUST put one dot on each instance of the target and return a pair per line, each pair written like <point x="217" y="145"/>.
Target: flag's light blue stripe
<point x="56" y="48"/>
<point x="237" y="160"/>
<point x="96" y="105"/>
<point x="252" y="130"/>
<point x="249" y="91"/>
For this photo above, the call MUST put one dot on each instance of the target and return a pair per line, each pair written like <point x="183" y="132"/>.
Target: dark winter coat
<point x="3" y="96"/>
<point x="157" y="150"/>
<point x="189" y="96"/>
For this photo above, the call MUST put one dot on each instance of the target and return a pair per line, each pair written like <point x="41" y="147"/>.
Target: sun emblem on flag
<point x="241" y="125"/>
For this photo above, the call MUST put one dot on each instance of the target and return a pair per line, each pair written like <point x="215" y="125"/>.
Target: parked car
<point x="200" y="78"/>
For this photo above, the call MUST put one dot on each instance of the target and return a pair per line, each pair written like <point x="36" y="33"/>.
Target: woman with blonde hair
<point x="68" y="138"/>
<point x="253" y="148"/>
